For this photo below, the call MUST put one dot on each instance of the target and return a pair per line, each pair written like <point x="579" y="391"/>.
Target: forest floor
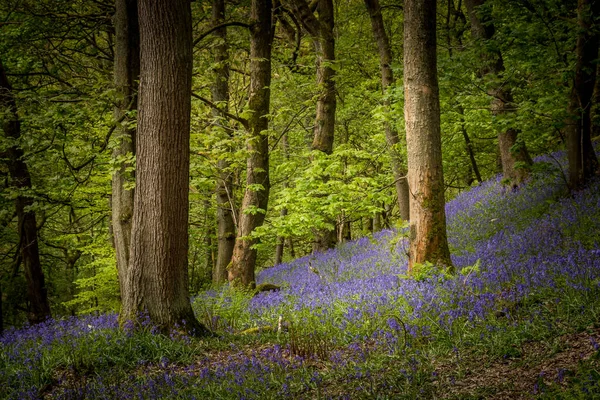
<point x="519" y="320"/>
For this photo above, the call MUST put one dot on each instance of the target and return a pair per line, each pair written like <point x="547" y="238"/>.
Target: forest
<point x="299" y="199"/>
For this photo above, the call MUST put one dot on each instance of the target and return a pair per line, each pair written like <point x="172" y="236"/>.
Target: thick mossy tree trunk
<point x="39" y="307"/>
<point x="513" y="151"/>
<point x="387" y="79"/>
<point x="583" y="163"/>
<point x="256" y="196"/>
<point x="428" y="240"/>
<point x="224" y="191"/>
<point x="321" y="31"/>
<point x="126" y="76"/>
<point x="157" y="278"/>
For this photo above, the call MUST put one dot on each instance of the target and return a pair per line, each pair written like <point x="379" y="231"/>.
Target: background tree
<point x="28" y="248"/>
<point x="583" y="162"/>
<point x="157" y="279"/>
<point x="126" y="75"/>
<point x="513" y="151"/>
<point x="224" y="191"/>
<point x="387" y="79"/>
<point x="256" y="196"/>
<point x="321" y="30"/>
<point x="428" y="240"/>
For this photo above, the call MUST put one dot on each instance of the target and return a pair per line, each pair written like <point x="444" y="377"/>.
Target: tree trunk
<point x="279" y="248"/>
<point x="595" y="111"/>
<point x="469" y="145"/>
<point x="512" y="150"/>
<point x="583" y="162"/>
<point x="256" y="196"/>
<point x="321" y="31"/>
<point x="376" y="222"/>
<point x="387" y="79"/>
<point x="220" y="96"/>
<point x="290" y="243"/>
<point x="39" y="307"/>
<point x="126" y="75"/>
<point x="157" y="279"/>
<point x="428" y="241"/>
<point x="326" y="105"/>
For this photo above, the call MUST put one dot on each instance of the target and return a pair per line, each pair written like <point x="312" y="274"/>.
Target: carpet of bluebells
<point x="348" y="323"/>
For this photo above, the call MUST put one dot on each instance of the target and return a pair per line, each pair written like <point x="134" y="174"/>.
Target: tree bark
<point x="224" y="191"/>
<point x="513" y="151"/>
<point x="387" y="79"/>
<point x="256" y="196"/>
<point x="157" y="279"/>
<point x="126" y="76"/>
<point x="428" y="240"/>
<point x="39" y="307"/>
<point x="583" y="162"/>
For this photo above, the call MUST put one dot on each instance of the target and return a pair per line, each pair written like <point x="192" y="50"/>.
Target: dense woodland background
<point x="515" y="69"/>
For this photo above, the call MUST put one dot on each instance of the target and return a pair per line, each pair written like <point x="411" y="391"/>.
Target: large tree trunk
<point x="583" y="162"/>
<point x="39" y="307"/>
<point x="126" y="75"/>
<point x="387" y="79"/>
<point x="512" y="150"/>
<point x="428" y="241"/>
<point x="220" y="96"/>
<point x="157" y="279"/>
<point x="256" y="196"/>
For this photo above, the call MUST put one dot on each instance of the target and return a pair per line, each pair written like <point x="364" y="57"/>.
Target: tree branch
<point x="241" y="120"/>
<point x="217" y="27"/>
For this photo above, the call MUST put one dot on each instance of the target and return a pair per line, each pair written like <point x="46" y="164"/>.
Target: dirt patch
<point x="540" y="364"/>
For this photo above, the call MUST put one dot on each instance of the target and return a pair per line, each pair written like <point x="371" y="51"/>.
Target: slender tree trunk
<point x="469" y="145"/>
<point x="595" y="111"/>
<point x="256" y="196"/>
<point x="39" y="307"/>
<point x="220" y="96"/>
<point x="279" y="248"/>
<point x="321" y="31"/>
<point x="326" y="104"/>
<point x="428" y="241"/>
<point x="376" y="222"/>
<point x="513" y="151"/>
<point x="290" y="243"/>
<point x="583" y="162"/>
<point x="157" y="279"/>
<point x="367" y="225"/>
<point x="387" y="79"/>
<point x="126" y="75"/>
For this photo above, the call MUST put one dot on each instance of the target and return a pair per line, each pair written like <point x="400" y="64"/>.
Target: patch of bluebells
<point x="521" y="240"/>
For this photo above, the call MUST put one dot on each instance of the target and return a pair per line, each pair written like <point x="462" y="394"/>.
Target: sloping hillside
<point x="519" y="319"/>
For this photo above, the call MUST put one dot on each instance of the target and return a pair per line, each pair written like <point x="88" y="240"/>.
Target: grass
<point x="519" y="319"/>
